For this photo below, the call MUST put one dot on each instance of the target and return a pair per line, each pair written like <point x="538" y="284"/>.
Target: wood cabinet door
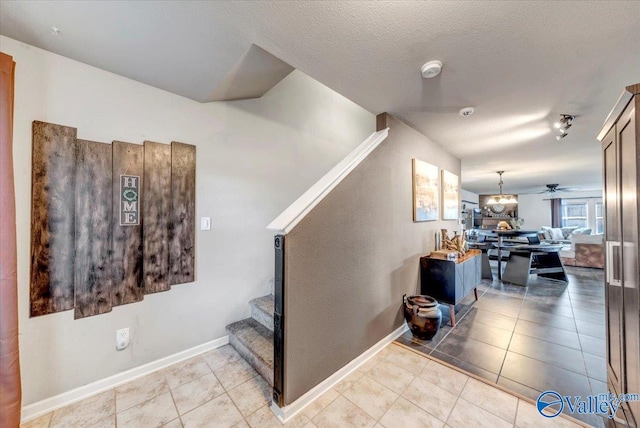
<point x="613" y="283"/>
<point x="628" y="144"/>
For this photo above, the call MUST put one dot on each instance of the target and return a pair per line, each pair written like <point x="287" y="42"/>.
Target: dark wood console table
<point x="450" y="281"/>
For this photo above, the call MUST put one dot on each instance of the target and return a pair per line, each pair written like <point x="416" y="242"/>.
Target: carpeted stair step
<point x="262" y="310"/>
<point x="254" y="342"/>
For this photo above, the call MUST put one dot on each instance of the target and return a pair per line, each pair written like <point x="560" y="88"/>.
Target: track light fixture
<point x="563" y="125"/>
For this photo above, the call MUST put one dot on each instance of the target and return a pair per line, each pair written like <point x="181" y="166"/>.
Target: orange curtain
<point x="10" y="388"/>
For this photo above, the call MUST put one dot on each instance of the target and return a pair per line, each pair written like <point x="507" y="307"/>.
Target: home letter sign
<point x="129" y="201"/>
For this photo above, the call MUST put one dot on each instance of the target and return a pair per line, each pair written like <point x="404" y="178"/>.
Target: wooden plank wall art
<point x="93" y="261"/>
<point x="183" y="197"/>
<point x="52" y="218"/>
<point x="156" y="208"/>
<point x="128" y="163"/>
<point x="109" y="222"/>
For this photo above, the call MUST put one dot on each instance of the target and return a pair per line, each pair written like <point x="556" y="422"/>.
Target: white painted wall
<point x="536" y="209"/>
<point x="254" y="158"/>
<point x="467" y="196"/>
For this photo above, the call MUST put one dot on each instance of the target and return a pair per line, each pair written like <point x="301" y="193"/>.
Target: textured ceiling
<point x="520" y="64"/>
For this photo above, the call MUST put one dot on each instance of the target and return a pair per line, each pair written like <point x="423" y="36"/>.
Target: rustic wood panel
<point x="93" y="212"/>
<point x="128" y="159"/>
<point x="183" y="202"/>
<point x="156" y="207"/>
<point x="52" y="218"/>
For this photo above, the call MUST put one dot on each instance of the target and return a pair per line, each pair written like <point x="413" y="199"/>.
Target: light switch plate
<point x="205" y="223"/>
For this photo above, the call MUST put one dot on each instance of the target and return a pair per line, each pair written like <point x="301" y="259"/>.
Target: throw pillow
<point x="556" y="234"/>
<point x="546" y="231"/>
<point x="566" y="231"/>
<point x="582" y="231"/>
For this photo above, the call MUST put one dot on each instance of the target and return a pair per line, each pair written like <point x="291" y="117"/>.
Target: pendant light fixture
<point x="501" y="199"/>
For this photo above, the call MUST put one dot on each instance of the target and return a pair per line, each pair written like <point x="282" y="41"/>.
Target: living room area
<point x="567" y="216"/>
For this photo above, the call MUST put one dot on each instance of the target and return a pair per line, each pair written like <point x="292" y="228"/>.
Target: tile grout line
<point x="115" y="409"/>
<point x="584" y="363"/>
<point x="391" y="405"/>
<point x="457" y="322"/>
<point x="174" y="403"/>
<point x="219" y="395"/>
<point x="367" y="413"/>
<point x="512" y="333"/>
<point x="489" y="383"/>
<point x="466" y="382"/>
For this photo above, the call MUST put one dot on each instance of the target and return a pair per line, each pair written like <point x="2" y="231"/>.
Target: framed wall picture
<point x="425" y="191"/>
<point x="450" y="196"/>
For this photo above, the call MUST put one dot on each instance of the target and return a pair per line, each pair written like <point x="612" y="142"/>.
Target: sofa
<point x="584" y="251"/>
<point x="580" y="248"/>
<point x="561" y="235"/>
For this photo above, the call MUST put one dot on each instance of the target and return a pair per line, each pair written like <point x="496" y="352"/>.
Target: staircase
<point x="253" y="337"/>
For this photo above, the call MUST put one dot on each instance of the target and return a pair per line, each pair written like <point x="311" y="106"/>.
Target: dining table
<point x="500" y="235"/>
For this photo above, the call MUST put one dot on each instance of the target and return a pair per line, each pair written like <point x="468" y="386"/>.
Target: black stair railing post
<point x="278" y="321"/>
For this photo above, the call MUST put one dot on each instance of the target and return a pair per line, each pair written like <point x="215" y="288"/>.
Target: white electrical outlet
<point x="122" y="338"/>
<point x="205" y="223"/>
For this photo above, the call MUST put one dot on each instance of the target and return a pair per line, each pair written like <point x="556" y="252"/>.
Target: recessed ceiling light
<point x="55" y="31"/>
<point x="431" y="69"/>
<point x="466" y="112"/>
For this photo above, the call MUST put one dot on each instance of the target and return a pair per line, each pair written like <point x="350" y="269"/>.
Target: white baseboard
<point x="287" y="412"/>
<point x="45" y="406"/>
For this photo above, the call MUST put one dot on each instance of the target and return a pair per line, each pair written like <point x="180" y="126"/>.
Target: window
<point x="599" y="218"/>
<point x="574" y="214"/>
<point x="587" y="213"/>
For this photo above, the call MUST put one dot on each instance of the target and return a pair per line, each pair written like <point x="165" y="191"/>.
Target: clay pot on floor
<point x="423" y="315"/>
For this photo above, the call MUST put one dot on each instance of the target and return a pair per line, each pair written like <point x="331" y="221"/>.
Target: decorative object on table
<point x="516" y="223"/>
<point x="457" y="243"/>
<point x="423" y="315"/>
<point x="503" y="225"/>
<point x="497" y="203"/>
<point x="425" y="191"/>
<point x="450" y="196"/>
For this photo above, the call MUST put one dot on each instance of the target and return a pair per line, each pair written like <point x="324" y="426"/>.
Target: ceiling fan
<point x="553" y="188"/>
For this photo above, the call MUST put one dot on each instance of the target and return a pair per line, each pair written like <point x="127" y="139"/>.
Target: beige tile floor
<point x="396" y="388"/>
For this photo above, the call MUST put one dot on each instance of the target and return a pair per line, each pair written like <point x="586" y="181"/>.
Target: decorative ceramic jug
<point x="423" y="315"/>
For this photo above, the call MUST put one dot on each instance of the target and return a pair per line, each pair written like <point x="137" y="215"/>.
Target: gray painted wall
<point x="350" y="260"/>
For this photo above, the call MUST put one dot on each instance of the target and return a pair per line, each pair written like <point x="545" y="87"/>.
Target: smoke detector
<point x="466" y="112"/>
<point x="431" y="69"/>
